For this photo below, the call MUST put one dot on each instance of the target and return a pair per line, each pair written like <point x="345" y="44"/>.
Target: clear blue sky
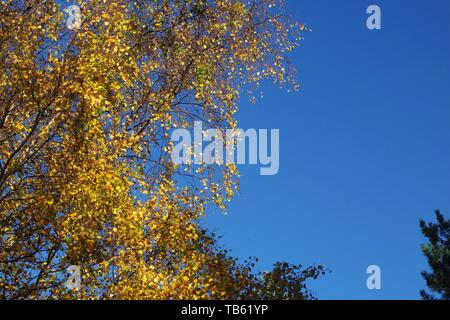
<point x="365" y="149"/>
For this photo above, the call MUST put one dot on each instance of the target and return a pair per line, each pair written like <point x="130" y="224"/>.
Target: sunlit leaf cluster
<point x="86" y="176"/>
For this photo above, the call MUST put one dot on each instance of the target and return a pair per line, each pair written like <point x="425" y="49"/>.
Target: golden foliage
<point x="85" y="171"/>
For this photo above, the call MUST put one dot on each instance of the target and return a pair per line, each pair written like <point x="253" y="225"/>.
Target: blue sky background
<point x="365" y="149"/>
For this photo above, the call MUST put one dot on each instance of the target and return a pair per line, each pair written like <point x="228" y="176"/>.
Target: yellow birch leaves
<point x="86" y="177"/>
